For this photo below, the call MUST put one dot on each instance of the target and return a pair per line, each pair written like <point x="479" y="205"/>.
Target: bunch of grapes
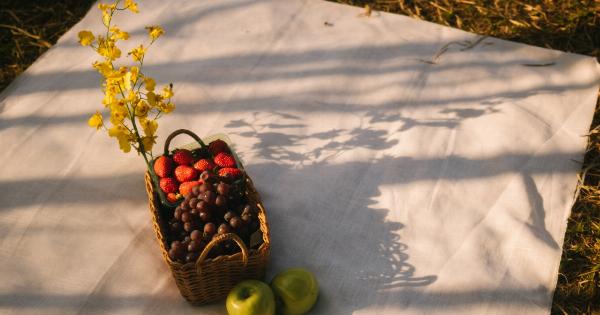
<point x="217" y="206"/>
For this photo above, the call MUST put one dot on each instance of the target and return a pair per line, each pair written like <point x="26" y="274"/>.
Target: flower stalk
<point x="130" y="98"/>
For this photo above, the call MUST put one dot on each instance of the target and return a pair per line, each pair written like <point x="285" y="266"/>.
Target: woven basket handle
<point x="178" y="132"/>
<point x="217" y="240"/>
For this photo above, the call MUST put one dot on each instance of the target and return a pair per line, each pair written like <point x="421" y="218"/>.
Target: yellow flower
<point x="123" y="137"/>
<point x="118" y="34"/>
<point x="149" y="126"/>
<point x="107" y="10"/>
<point x="86" y="38"/>
<point x="107" y="49"/>
<point x="148" y="142"/>
<point x="95" y="121"/>
<point x="135" y="72"/>
<point x="110" y="92"/>
<point x="142" y="108"/>
<point x="118" y="112"/>
<point x="154" y="31"/>
<point x="132" y="6"/>
<point x="138" y="53"/>
<point x="168" y="91"/>
<point x="103" y="67"/>
<point x="166" y="108"/>
<point x="149" y="83"/>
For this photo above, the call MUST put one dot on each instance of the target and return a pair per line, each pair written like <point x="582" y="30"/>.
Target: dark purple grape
<point x="195" y="190"/>
<point x="176" y="227"/>
<point x="189" y="226"/>
<point x="236" y="222"/>
<point x="224" y="228"/>
<point x="186" y="217"/>
<point x="196" y="235"/>
<point x="177" y="250"/>
<point x="204" y="187"/>
<point x="177" y="213"/>
<point x="223" y="189"/>
<point x="247" y="218"/>
<point x="202" y="205"/>
<point x="229" y="215"/>
<point x="186" y="240"/>
<point x="220" y="201"/>
<point x="204" y="216"/>
<point x="209" y="197"/>
<point x="185" y="205"/>
<point x="193" y="202"/>
<point x="210" y="228"/>
<point x="206" y="176"/>
<point x="191" y="257"/>
<point x="194" y="246"/>
<point x="247" y="209"/>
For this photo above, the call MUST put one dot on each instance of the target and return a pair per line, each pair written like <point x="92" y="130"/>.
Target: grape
<point x="210" y="228"/>
<point x="196" y="235"/>
<point x="177" y="213"/>
<point x="236" y="222"/>
<point x="223" y="189"/>
<point x="204" y="187"/>
<point x="188" y="226"/>
<point x="209" y="197"/>
<point x="204" y="216"/>
<point x="191" y="257"/>
<point x="247" y="209"/>
<point x="186" y="217"/>
<point x="195" y="190"/>
<point x="229" y="215"/>
<point x="202" y="205"/>
<point x="193" y="202"/>
<point x="247" y="218"/>
<point x="176" y="227"/>
<point x="205" y="176"/>
<point x="220" y="201"/>
<point x="224" y="228"/>
<point x="194" y="246"/>
<point x="185" y="205"/>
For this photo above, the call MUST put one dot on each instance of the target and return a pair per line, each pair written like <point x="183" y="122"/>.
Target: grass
<point x="28" y="28"/>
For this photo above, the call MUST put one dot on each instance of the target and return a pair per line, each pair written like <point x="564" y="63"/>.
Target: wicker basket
<point x="210" y="280"/>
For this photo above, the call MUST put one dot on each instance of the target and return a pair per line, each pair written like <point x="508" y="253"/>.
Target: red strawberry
<point x="204" y="165"/>
<point x="183" y="157"/>
<point x="168" y="184"/>
<point x="163" y="166"/>
<point x="224" y="160"/>
<point x="230" y="172"/>
<point x="172" y="197"/>
<point x="186" y="188"/>
<point x="218" y="146"/>
<point x="185" y="173"/>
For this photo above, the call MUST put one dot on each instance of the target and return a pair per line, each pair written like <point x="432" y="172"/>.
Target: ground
<point x="29" y="28"/>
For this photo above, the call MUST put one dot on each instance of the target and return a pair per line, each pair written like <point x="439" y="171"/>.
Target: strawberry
<point x="204" y="165"/>
<point x="163" y="166"/>
<point x="230" y="172"/>
<point x="185" y="173"/>
<point x="186" y="188"/>
<point x="168" y="184"/>
<point x="218" y="146"/>
<point x="172" y="197"/>
<point x="224" y="160"/>
<point x="183" y="157"/>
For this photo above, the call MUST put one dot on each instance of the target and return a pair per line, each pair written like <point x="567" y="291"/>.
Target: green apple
<point x="250" y="297"/>
<point x="297" y="290"/>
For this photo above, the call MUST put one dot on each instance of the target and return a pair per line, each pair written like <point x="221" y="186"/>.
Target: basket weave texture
<point x="210" y="280"/>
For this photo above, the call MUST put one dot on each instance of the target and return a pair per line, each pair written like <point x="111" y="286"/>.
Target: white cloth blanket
<point x="414" y="168"/>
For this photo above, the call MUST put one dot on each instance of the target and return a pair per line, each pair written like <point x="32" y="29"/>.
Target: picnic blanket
<point x="414" y="168"/>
